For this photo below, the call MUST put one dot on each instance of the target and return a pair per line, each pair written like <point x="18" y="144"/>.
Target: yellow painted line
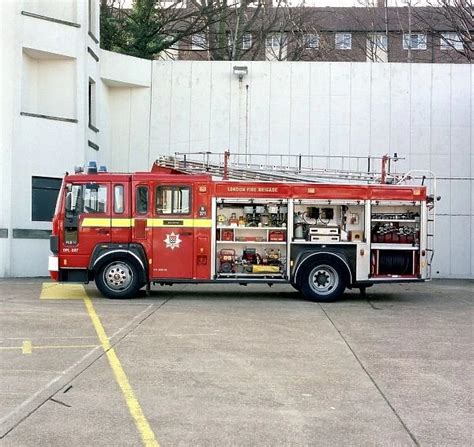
<point x="65" y="346"/>
<point x="58" y="291"/>
<point x="141" y="422"/>
<point x="26" y="348"/>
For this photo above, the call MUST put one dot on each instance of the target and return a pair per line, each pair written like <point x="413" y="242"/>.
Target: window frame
<point x="195" y="46"/>
<point x="36" y="188"/>
<point x="96" y="199"/>
<point x="375" y="39"/>
<point x="247" y="41"/>
<point x="408" y="45"/>
<point x="172" y="188"/>
<point x="92" y="104"/>
<point x="137" y="210"/>
<point x="122" y="187"/>
<point x="450" y="41"/>
<point x="92" y="17"/>
<point x="337" y="37"/>
<point x="307" y="37"/>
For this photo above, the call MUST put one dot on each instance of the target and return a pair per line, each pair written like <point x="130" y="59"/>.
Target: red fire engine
<point x="178" y="225"/>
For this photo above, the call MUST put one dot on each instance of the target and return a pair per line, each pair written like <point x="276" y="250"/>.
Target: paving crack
<point x="59" y="402"/>
<point x="371" y="378"/>
<point x="23" y="411"/>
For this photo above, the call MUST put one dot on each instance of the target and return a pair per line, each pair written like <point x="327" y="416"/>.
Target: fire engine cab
<point x="177" y="224"/>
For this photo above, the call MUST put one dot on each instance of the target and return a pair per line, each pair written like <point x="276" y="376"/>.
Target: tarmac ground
<point x="218" y="365"/>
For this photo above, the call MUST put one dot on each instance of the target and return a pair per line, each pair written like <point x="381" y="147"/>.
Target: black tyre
<point x="118" y="279"/>
<point x="323" y="280"/>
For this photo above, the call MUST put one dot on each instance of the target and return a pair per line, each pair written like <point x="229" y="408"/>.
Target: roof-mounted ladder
<point x="287" y="168"/>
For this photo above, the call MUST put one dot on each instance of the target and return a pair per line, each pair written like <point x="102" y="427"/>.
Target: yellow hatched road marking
<point x="141" y="422"/>
<point x="58" y="291"/>
<point x="26" y="348"/>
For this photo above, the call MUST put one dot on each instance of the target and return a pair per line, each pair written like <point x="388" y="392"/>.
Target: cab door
<point x="173" y="231"/>
<point x="87" y="222"/>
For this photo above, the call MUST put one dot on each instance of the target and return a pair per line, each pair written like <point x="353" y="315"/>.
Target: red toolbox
<point x="276" y="236"/>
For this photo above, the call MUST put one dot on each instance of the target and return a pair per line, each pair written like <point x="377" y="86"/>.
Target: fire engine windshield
<point x="90" y="198"/>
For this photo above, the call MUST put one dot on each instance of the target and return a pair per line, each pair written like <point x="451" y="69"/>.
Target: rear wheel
<point x="323" y="280"/>
<point x="118" y="279"/>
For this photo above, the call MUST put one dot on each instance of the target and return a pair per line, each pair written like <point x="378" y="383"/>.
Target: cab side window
<point x="173" y="200"/>
<point x="119" y="199"/>
<point x="141" y="200"/>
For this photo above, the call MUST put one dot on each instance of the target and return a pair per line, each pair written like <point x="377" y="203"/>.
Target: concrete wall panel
<point x="421" y="111"/>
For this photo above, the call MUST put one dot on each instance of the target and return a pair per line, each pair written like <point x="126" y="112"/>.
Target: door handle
<point x="186" y="233"/>
<point x="103" y="231"/>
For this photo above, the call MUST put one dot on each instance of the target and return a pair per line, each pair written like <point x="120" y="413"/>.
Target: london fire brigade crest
<point x="172" y="241"/>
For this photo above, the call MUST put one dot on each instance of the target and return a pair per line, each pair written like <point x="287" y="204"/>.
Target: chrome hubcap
<point x="118" y="276"/>
<point x="323" y="279"/>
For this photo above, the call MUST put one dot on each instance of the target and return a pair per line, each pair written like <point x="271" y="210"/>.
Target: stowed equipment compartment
<point x="251" y="238"/>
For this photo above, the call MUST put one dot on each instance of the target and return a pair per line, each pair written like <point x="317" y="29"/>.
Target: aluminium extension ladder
<point x="290" y="168"/>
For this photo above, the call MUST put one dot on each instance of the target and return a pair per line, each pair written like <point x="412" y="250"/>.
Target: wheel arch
<point x="306" y="258"/>
<point x="135" y="253"/>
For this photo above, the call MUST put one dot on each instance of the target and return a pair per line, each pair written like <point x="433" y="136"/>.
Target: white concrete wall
<point x="126" y="104"/>
<point x="423" y="112"/>
<point x="45" y="70"/>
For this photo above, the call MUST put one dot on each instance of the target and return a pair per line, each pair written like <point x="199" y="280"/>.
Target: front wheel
<point x="323" y="281"/>
<point x="118" y="279"/>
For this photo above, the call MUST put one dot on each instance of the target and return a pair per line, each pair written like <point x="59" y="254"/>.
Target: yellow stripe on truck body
<point x="96" y="222"/>
<point x="195" y="223"/>
<point x="127" y="223"/>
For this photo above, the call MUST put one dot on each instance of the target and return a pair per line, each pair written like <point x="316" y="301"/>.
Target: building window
<point x="44" y="193"/>
<point x="198" y="42"/>
<point x="170" y="4"/>
<point x="450" y="41"/>
<point x="48" y="84"/>
<point x="311" y="41"/>
<point x="92" y="104"/>
<point x="173" y="200"/>
<point x="92" y="13"/>
<point x="274" y="41"/>
<point x="377" y="47"/>
<point x="414" y="41"/>
<point x="288" y="3"/>
<point x="343" y="41"/>
<point x="141" y="200"/>
<point x="275" y="47"/>
<point x="246" y="41"/>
